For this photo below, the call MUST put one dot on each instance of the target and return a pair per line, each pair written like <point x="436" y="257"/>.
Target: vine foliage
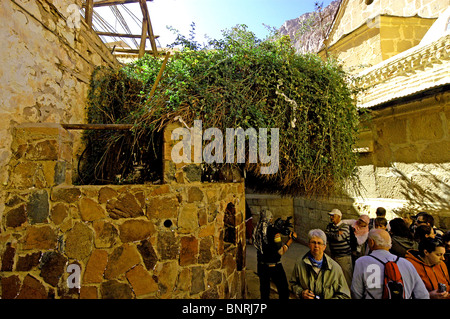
<point x="237" y="81"/>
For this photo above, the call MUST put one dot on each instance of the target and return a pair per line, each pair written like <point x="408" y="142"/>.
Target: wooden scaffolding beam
<point x="104" y="3"/>
<point x="123" y="35"/>
<point x="146" y="15"/>
<point x="89" y="10"/>
<point x="147" y="29"/>
<point x="97" y="126"/>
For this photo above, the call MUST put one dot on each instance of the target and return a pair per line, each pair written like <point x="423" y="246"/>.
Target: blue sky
<point x="212" y="16"/>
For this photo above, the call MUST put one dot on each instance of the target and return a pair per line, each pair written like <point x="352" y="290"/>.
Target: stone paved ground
<point x="288" y="261"/>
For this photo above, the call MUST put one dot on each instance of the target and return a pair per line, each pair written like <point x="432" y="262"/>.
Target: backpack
<point x="393" y="287"/>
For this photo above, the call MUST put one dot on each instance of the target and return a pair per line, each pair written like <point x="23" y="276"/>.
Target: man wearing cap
<point x="338" y="235"/>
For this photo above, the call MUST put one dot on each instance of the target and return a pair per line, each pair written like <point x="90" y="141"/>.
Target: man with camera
<point x="268" y="242"/>
<point x="317" y="276"/>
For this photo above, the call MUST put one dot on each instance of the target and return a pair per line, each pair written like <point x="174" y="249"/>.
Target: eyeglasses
<point x="316" y="243"/>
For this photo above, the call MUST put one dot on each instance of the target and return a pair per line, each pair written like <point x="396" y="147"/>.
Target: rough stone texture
<point x="113" y="289"/>
<point x="205" y="254"/>
<point x="32" y="288"/>
<point x="64" y="194"/>
<point x="135" y="230"/>
<point x="194" y="195"/>
<point x="105" y="194"/>
<point x="122" y="259"/>
<point x="138" y="257"/>
<point x="188" y="218"/>
<point x="141" y="281"/>
<point x="168" y="245"/>
<point x="105" y="234"/>
<point x="52" y="267"/>
<point x="80" y="233"/>
<point x="88" y="292"/>
<point x="193" y="173"/>
<point x="28" y="262"/>
<point x="38" y="207"/>
<point x="58" y="213"/>
<point x="189" y="250"/>
<point x="8" y="258"/>
<point x="10" y="286"/>
<point x="16" y="217"/>
<point x="96" y="267"/>
<point x="122" y="250"/>
<point x="39" y="237"/>
<point x="90" y="210"/>
<point x="167" y="274"/>
<point x="198" y="280"/>
<point x="148" y="254"/>
<point x="305" y="39"/>
<point x="125" y="206"/>
<point x="162" y="207"/>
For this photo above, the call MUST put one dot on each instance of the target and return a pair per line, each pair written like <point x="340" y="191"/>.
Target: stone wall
<point x="307" y="213"/>
<point x="374" y="42"/>
<point x="281" y="207"/>
<point x="176" y="240"/>
<point x="357" y="13"/>
<point x="365" y="35"/>
<point x="408" y="170"/>
<point x="45" y="68"/>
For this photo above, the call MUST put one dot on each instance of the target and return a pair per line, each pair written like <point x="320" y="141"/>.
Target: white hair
<point x="374" y="234"/>
<point x="317" y="233"/>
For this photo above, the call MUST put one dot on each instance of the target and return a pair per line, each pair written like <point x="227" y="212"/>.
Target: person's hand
<point x="438" y="295"/>
<point x="293" y="235"/>
<point x="308" y="294"/>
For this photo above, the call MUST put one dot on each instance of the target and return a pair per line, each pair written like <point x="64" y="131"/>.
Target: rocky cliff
<point x="307" y="31"/>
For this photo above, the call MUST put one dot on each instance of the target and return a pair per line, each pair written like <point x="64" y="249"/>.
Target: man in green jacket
<point x="316" y="275"/>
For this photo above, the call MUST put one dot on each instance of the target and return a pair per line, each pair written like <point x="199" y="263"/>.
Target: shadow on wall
<point x="428" y="190"/>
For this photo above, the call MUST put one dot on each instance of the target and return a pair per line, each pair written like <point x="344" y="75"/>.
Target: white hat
<point x="335" y="211"/>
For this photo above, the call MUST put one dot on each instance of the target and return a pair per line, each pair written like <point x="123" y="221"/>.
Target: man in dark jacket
<point x="270" y="248"/>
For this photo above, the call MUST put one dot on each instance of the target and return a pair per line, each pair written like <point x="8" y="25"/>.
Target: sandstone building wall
<point x="45" y="68"/>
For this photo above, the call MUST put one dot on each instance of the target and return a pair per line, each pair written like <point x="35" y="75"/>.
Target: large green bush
<point x="238" y="81"/>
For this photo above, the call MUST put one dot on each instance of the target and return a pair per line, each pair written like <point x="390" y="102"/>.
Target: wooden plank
<point x="122" y="35"/>
<point x="104" y="3"/>
<point x="134" y="51"/>
<point x="144" y="9"/>
<point x="143" y="37"/>
<point x="159" y="76"/>
<point x="89" y="11"/>
<point x="97" y="126"/>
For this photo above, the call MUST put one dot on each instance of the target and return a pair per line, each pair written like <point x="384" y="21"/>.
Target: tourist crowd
<point x="366" y="258"/>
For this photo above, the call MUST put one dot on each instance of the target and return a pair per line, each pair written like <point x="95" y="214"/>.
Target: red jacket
<point x="431" y="275"/>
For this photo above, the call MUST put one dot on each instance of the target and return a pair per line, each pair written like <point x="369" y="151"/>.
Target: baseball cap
<point x="335" y="211"/>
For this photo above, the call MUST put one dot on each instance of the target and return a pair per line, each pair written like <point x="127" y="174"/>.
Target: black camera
<point x="442" y="287"/>
<point x="283" y="226"/>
